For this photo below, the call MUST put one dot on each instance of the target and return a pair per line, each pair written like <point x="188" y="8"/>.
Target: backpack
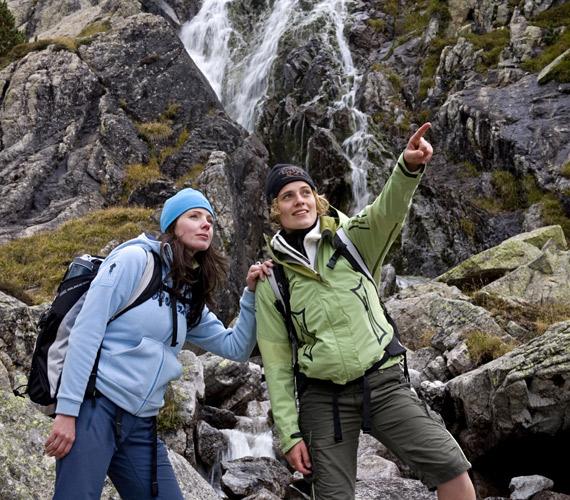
<point x="278" y="280"/>
<point x="56" y="322"/>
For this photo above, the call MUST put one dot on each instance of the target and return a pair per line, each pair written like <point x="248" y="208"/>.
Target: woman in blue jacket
<point x="115" y="433"/>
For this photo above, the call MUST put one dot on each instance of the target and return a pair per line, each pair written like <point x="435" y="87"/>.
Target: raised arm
<point x="375" y="228"/>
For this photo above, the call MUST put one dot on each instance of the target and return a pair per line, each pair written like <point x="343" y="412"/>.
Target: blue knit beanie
<point x="182" y="202"/>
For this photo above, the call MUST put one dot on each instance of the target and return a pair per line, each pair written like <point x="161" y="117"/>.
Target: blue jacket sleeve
<point x="233" y="343"/>
<point x="114" y="284"/>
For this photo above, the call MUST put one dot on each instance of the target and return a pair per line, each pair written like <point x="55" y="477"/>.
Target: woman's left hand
<point x="418" y="151"/>
<point x="258" y="271"/>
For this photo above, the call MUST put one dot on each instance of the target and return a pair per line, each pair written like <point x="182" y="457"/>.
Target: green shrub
<point x="555" y="21"/>
<point x="553" y="213"/>
<point x="534" y="318"/>
<point x="190" y="176"/>
<point x="483" y="347"/>
<point x="431" y="62"/>
<point x="19" y="51"/>
<point x="468" y="227"/>
<point x="554" y="17"/>
<point x="565" y="170"/>
<point x="33" y="266"/>
<point x="532" y="191"/>
<point x="491" y="205"/>
<point x="378" y="25"/>
<point x="492" y="43"/>
<point x="154" y="131"/>
<point x="469" y="169"/>
<point x="170" y="112"/>
<point x="9" y="35"/>
<point x="508" y="190"/>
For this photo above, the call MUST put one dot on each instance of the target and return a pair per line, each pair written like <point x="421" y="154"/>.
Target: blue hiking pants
<point x="123" y="452"/>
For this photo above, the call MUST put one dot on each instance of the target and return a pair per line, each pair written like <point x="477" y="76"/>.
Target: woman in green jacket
<point x="346" y="349"/>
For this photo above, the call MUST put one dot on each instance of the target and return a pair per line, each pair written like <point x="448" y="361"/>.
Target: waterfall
<point x="251" y="438"/>
<point x="239" y="71"/>
<point x="248" y="88"/>
<point x="355" y="147"/>
<point x="206" y="40"/>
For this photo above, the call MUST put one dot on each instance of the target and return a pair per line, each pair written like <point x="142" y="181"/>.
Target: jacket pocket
<point x="134" y="370"/>
<point x="171" y="369"/>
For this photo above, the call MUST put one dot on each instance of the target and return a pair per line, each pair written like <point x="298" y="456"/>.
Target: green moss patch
<point x="32" y="267"/>
<point x="492" y="43"/>
<point x="557" y="38"/>
<point x="169" y="418"/>
<point x="565" y="170"/>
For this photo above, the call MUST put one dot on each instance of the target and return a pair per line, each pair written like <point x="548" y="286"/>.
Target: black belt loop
<point x="154" y="471"/>
<point x="118" y="425"/>
<point x="366" y="427"/>
<point x="336" y="418"/>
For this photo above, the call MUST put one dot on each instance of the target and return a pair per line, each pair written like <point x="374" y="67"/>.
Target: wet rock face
<point x="68" y="131"/>
<point x="505" y="126"/>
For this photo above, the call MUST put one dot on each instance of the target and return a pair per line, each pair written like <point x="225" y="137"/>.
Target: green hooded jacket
<point x="337" y="313"/>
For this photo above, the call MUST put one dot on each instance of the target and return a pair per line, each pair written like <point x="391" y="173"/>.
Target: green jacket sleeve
<point x="275" y="350"/>
<point x="375" y="228"/>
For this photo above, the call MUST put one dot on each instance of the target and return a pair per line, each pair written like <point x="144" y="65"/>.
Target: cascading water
<point x="250" y="77"/>
<point x="251" y="438"/>
<point x="240" y="74"/>
<point x="355" y="147"/>
<point x="206" y="40"/>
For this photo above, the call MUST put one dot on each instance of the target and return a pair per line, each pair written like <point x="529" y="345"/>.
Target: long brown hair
<point x="200" y="281"/>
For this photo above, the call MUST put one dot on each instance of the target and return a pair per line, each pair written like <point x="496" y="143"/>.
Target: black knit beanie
<point x="282" y="174"/>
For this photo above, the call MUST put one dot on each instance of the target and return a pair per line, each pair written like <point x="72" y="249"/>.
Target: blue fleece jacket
<point x="137" y="361"/>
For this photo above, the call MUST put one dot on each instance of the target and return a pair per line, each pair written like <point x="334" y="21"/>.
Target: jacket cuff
<point x="408" y="173"/>
<point x="67" y="407"/>
<point x="286" y="445"/>
<point x="248" y="298"/>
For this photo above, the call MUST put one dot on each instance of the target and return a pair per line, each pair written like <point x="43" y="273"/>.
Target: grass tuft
<point x="565" y="170"/>
<point x="492" y="44"/>
<point x="483" y="347"/>
<point x="33" y="266"/>
<point x="95" y="28"/>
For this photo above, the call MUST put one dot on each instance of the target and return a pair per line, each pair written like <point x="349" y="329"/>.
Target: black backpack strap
<point x="344" y="246"/>
<point x="150" y="283"/>
<point x="280" y="285"/>
<point x="154" y="460"/>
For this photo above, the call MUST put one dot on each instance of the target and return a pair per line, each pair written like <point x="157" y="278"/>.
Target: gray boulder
<point x="245" y="476"/>
<point x="524" y="487"/>
<point x="523" y="393"/>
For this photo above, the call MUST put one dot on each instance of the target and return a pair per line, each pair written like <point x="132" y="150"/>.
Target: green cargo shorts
<point x="399" y="419"/>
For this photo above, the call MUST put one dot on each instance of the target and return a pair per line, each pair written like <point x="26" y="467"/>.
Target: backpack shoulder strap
<point x="345" y="247"/>
<point x="148" y="285"/>
<point x="349" y="250"/>
<point x="280" y="286"/>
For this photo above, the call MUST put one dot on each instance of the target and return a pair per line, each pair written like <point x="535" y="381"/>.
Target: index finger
<point x="415" y="139"/>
